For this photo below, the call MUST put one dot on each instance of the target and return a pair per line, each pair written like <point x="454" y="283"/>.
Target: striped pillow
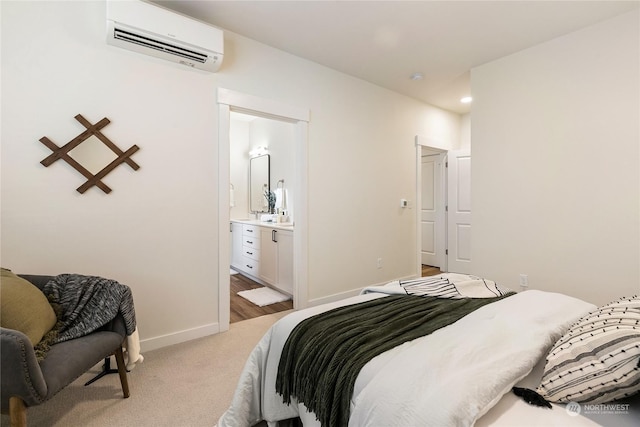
<point x="598" y="359"/>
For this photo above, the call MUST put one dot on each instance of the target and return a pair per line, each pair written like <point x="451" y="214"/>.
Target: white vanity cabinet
<point x="276" y="258"/>
<point x="269" y="253"/>
<point x="245" y="248"/>
<point x="265" y="253"/>
<point x="237" y="258"/>
<point x="285" y="261"/>
<point x="251" y="249"/>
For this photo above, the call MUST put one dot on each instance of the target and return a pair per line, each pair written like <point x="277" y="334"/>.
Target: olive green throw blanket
<point x="324" y="354"/>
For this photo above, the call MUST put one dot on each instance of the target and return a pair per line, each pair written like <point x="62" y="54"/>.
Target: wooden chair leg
<point x="122" y="371"/>
<point x="17" y="412"/>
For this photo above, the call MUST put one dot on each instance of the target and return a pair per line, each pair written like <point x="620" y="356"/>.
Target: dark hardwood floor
<point x="241" y="309"/>
<point x="428" y="270"/>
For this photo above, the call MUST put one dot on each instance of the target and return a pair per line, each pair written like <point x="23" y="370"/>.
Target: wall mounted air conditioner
<point x="153" y="30"/>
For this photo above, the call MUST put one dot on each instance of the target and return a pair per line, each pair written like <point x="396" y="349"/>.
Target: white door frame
<point x="428" y="146"/>
<point x="228" y="101"/>
<point x="425" y="146"/>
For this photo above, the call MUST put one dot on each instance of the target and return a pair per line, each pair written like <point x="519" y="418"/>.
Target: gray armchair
<point x="25" y="382"/>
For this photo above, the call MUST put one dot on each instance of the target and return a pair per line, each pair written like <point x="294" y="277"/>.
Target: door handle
<point x="273" y="236"/>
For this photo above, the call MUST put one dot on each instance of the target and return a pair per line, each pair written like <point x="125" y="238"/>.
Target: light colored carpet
<point x="185" y="385"/>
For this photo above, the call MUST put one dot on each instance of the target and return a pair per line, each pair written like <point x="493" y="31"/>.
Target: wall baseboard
<point x="348" y="294"/>
<point x="334" y="297"/>
<point x="155" y="343"/>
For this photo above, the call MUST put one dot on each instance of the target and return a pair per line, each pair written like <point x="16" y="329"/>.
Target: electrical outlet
<point x="524" y="281"/>
<point x="379" y="263"/>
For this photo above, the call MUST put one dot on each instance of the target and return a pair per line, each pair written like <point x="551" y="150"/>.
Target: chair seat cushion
<point x="24" y="308"/>
<point x="67" y="360"/>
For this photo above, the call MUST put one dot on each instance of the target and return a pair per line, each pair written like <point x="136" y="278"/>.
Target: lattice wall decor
<point x="91" y="131"/>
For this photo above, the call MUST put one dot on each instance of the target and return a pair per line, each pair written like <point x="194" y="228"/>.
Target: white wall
<point x="239" y="135"/>
<point x="555" y="148"/>
<point x="157" y="230"/>
<point x="246" y="135"/>
<point x="278" y="137"/>
<point x="465" y="131"/>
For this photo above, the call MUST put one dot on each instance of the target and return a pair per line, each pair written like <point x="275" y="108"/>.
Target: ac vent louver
<point x="127" y="36"/>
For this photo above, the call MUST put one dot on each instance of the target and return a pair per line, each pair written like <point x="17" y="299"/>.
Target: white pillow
<point x="598" y="359"/>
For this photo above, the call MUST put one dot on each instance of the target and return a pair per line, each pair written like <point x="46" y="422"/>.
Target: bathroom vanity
<point x="264" y="252"/>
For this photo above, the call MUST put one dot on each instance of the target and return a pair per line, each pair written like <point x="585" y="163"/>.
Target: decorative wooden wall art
<point x="91" y="130"/>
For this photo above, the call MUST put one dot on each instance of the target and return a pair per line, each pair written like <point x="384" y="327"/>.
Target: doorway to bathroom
<point x="236" y="102"/>
<point x="262" y="215"/>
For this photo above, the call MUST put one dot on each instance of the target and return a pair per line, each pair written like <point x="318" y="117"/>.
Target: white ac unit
<point x="153" y="30"/>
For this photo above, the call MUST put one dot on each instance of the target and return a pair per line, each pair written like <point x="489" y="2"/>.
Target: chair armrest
<point x="19" y="369"/>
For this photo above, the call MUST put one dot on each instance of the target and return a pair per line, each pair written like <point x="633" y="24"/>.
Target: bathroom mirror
<point x="259" y="183"/>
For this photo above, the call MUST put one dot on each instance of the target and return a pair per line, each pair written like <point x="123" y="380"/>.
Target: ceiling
<point x="386" y="42"/>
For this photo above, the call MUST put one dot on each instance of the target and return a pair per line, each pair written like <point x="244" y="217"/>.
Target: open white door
<point x="432" y="215"/>
<point x="459" y="211"/>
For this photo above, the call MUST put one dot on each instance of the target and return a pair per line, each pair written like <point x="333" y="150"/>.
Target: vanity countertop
<point x="276" y="225"/>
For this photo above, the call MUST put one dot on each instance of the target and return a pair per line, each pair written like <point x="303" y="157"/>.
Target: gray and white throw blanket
<point x="84" y="304"/>
<point x="445" y="285"/>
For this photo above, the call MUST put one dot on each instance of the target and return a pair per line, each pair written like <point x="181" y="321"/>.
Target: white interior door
<point x="459" y="211"/>
<point x="431" y="212"/>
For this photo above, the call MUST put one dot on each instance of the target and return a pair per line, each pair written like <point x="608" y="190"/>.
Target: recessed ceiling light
<point x="417" y="76"/>
<point x="466" y="100"/>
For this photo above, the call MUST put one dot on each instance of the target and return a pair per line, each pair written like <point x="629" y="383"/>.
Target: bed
<point x="458" y="374"/>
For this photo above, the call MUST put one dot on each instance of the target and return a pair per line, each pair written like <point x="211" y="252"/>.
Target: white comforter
<point x="451" y="377"/>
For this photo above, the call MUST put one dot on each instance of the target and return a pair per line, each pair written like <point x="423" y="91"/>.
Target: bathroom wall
<point x="247" y="133"/>
<point x="239" y="173"/>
